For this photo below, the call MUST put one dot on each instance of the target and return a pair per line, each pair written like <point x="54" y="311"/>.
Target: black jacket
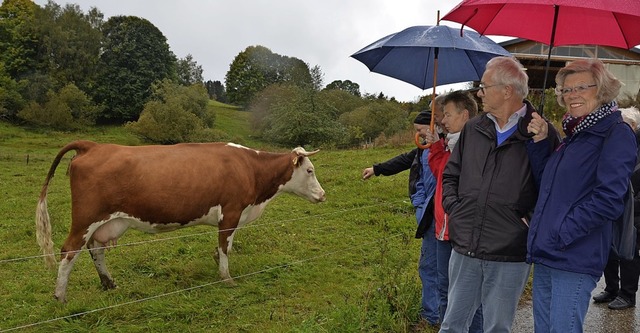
<point x="489" y="191"/>
<point x="402" y="162"/>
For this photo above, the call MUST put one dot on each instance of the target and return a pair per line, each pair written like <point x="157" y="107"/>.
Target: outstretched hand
<point x="367" y="173"/>
<point x="538" y="127"/>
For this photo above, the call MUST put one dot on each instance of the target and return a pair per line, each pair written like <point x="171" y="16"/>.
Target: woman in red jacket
<point x="459" y="107"/>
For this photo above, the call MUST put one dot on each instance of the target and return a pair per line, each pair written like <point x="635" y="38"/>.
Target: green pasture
<point x="346" y="265"/>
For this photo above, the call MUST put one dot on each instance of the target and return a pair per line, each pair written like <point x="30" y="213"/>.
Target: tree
<point x="342" y="101"/>
<point x="188" y="71"/>
<point x="18" y="37"/>
<point x="377" y="117"/>
<point x="10" y="99"/>
<point x="216" y="91"/>
<point x="135" y="55"/>
<point x="70" y="44"/>
<point x="294" y="116"/>
<point x="346" y="85"/>
<point x="257" y="67"/>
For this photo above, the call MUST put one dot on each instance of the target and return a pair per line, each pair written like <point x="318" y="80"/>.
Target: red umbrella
<point x="554" y="22"/>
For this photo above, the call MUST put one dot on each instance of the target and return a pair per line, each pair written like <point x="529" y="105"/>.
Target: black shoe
<point x="620" y="303"/>
<point x="604" y="297"/>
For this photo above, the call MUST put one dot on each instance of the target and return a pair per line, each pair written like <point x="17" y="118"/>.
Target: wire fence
<point x="145" y="299"/>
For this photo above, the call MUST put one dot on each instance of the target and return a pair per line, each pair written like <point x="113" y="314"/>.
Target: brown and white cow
<point x="163" y="188"/>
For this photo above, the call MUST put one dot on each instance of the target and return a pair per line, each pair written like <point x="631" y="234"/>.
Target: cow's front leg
<point x="97" y="254"/>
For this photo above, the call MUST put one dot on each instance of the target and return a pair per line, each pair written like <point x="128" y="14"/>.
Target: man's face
<point x="438" y="115"/>
<point x="491" y="94"/>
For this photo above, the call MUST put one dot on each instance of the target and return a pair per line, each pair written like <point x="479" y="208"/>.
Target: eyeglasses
<point x="577" y="89"/>
<point x="483" y="87"/>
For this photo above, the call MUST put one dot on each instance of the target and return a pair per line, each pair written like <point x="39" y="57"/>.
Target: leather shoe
<point x="604" y="297"/>
<point x="620" y="303"/>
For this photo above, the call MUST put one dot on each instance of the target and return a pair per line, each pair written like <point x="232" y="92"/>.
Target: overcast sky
<point x="321" y="32"/>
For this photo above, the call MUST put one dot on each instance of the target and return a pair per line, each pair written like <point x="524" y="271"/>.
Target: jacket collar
<point x="487" y="126"/>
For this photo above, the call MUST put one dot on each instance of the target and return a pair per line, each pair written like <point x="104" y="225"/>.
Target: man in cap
<point x="422" y="185"/>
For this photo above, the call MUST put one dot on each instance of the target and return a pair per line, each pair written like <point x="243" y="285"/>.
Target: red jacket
<point x="438" y="157"/>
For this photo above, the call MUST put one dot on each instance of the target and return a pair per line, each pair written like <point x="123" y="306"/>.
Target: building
<point x="624" y="64"/>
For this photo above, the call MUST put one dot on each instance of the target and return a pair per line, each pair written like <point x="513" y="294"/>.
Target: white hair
<point x="631" y="116"/>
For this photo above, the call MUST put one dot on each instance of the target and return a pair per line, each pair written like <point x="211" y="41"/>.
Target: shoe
<point x="424" y="326"/>
<point x="621" y="303"/>
<point x="604" y="297"/>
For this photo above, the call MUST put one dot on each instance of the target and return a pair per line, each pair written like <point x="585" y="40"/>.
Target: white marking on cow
<point x="63" y="275"/>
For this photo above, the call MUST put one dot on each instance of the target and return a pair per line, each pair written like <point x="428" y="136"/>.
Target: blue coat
<point x="581" y="192"/>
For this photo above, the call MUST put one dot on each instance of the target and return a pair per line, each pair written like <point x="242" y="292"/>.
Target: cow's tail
<point x="43" y="223"/>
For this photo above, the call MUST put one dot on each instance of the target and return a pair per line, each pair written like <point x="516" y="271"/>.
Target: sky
<point x="323" y="33"/>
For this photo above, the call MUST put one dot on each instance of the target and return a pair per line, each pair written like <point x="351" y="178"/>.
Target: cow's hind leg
<point x="97" y="254"/>
<point x="225" y="237"/>
<point x="70" y="253"/>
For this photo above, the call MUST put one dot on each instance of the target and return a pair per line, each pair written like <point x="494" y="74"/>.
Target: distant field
<point x="346" y="265"/>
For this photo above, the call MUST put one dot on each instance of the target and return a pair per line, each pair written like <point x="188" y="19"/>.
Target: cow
<point x="164" y="188"/>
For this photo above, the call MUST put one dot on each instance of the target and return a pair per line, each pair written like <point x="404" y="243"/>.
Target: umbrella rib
<point x="493" y="18"/>
<point x="626" y="41"/>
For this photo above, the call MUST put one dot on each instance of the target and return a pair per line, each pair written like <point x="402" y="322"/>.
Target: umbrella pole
<point x="546" y="69"/>
<point x="433" y="93"/>
<point x="432" y="123"/>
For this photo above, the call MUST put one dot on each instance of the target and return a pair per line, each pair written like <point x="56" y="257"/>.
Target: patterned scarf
<point x="572" y="125"/>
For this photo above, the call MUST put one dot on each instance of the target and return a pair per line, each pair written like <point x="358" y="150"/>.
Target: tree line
<point x="65" y="69"/>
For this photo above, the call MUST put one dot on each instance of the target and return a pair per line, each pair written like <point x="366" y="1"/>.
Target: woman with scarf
<point x="582" y="188"/>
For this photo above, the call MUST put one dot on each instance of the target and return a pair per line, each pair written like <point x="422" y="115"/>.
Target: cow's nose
<point x="322" y="196"/>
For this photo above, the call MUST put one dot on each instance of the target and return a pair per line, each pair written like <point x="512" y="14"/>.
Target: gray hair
<point x="631" y="116"/>
<point x="509" y="71"/>
<point x="608" y="85"/>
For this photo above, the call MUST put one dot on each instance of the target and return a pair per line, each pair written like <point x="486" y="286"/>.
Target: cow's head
<point x="303" y="181"/>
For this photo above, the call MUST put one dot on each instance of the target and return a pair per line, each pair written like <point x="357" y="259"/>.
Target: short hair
<point x="462" y="100"/>
<point x="631" y="114"/>
<point x="439" y="100"/>
<point x="608" y="85"/>
<point x="509" y="71"/>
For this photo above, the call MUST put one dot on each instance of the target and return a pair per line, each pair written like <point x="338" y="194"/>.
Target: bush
<point x="69" y="109"/>
<point x="176" y="114"/>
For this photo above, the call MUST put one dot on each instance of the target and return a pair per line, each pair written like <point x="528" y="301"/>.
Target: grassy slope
<point x="338" y="266"/>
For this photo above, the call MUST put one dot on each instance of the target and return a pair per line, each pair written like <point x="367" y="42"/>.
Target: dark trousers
<point x="625" y="284"/>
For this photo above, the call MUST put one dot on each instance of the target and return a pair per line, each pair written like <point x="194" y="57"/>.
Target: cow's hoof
<point x="230" y="282"/>
<point x="60" y="299"/>
<point x="106" y="285"/>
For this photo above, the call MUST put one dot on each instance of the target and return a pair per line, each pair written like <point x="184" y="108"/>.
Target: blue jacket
<point x="581" y="192"/>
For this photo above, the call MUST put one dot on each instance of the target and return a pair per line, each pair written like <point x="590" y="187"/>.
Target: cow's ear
<point x="297" y="160"/>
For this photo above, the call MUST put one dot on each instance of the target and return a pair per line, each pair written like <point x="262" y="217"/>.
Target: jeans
<point x="495" y="285"/>
<point x="429" y="278"/>
<point x="444" y="253"/>
<point x="560" y="299"/>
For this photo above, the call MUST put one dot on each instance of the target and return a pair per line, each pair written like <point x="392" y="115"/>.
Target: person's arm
<point x="540" y="147"/>
<point x="396" y="164"/>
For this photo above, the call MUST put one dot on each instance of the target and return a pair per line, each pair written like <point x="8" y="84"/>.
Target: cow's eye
<point x="309" y="171"/>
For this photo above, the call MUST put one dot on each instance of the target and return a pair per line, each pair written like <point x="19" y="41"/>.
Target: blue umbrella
<point x="411" y="55"/>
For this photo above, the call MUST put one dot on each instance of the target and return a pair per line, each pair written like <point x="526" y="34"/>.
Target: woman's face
<point x="453" y="120"/>
<point x="421" y="129"/>
<point x="581" y="103"/>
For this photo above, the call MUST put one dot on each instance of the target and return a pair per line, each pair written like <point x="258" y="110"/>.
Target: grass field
<point x="346" y="265"/>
